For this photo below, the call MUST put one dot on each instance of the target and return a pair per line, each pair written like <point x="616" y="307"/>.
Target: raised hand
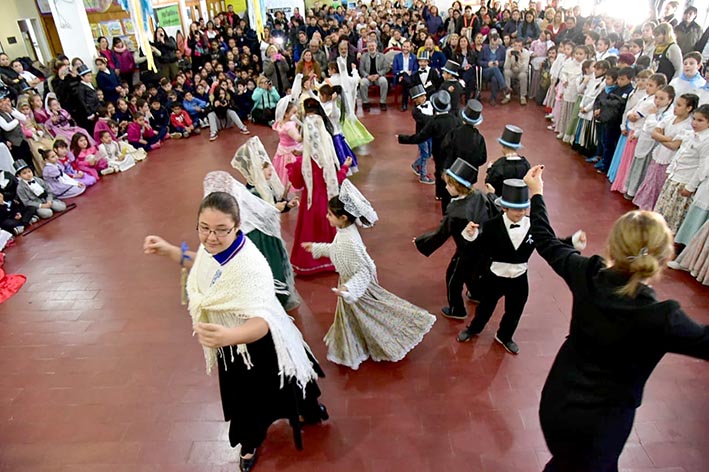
<point x="533" y="179"/>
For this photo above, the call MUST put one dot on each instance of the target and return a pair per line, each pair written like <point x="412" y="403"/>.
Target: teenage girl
<point x="636" y="118"/>
<point x="662" y="155"/>
<point x="645" y="145"/>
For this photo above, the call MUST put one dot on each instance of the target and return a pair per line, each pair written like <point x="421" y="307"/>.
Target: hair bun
<point x="644" y="266"/>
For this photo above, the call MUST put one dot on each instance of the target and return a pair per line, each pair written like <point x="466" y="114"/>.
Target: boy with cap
<point x="467" y="205"/>
<point x="436" y="129"/>
<point x="511" y="165"/>
<point x="451" y="84"/>
<point x="33" y="192"/>
<point x="88" y="99"/>
<point x="508" y="243"/>
<point x="426" y="75"/>
<point x="422" y="113"/>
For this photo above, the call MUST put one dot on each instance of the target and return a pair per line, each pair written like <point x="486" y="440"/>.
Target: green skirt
<point x="574" y="118"/>
<point x="275" y="253"/>
<point x="355" y="132"/>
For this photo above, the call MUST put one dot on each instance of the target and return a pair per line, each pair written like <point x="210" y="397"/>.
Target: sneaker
<point x="18" y="230"/>
<point x="428" y="180"/>
<point x="446" y="310"/>
<point x="186" y="134"/>
<point x="471" y="297"/>
<point x="244" y="131"/>
<point x="175" y="135"/>
<point x="34" y="220"/>
<point x="366" y="106"/>
<point x="108" y="170"/>
<point x="560" y="135"/>
<point x="213" y="136"/>
<point x="592" y="160"/>
<point x="523" y="101"/>
<point x="155" y="146"/>
<point x="465" y="336"/>
<point x="416" y="169"/>
<point x="551" y="127"/>
<point x="506" y="100"/>
<point x="599" y="165"/>
<point x="383" y="106"/>
<point x="674" y="265"/>
<point x="549" y="116"/>
<point x="510" y="345"/>
<point x="204" y="123"/>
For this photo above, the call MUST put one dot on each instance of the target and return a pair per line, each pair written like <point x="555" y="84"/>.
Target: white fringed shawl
<point x="244" y="290"/>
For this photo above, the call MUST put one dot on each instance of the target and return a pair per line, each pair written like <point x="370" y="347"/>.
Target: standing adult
<point x="197" y="42"/>
<point x="266" y="370"/>
<point x="125" y="61"/>
<point x="688" y="31"/>
<point x="167" y="59"/>
<point x="619" y="332"/>
<point x="105" y="52"/>
<point x="275" y="68"/>
<point x="667" y="56"/>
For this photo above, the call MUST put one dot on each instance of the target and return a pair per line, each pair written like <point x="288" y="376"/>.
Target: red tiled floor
<point x="100" y="371"/>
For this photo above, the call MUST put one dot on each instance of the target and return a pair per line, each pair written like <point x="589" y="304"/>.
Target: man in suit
<point x="372" y="69"/>
<point x="405" y="67"/>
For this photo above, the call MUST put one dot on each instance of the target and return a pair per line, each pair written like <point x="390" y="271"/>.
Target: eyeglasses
<point x="219" y="233"/>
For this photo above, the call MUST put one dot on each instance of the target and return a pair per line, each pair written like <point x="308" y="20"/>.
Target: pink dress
<point x="60" y="126"/>
<point x="626" y="160"/>
<point x="83" y="164"/>
<point x="284" y="152"/>
<point x="312" y="224"/>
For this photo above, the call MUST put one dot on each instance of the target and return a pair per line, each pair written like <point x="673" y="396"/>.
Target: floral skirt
<point x="672" y="205"/>
<point x="648" y="192"/>
<point x="379" y="325"/>
<point x="695" y="257"/>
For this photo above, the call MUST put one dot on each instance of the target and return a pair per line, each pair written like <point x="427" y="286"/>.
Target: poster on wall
<point x="169" y="19"/>
<point x="128" y="26"/>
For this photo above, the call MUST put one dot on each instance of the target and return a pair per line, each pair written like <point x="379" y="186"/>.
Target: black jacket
<point x="504" y="168"/>
<point x="455" y="90"/>
<point x="612" y="105"/>
<point x="614" y="341"/>
<point x="433" y="80"/>
<point x="420" y="117"/>
<point x="476" y="207"/>
<point x="465" y="142"/>
<point x="436" y="129"/>
<point x="88" y="100"/>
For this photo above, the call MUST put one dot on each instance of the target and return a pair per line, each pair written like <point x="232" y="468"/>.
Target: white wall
<point x="10" y="12"/>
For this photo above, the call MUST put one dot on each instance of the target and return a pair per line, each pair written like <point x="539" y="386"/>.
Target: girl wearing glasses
<point x="266" y="370"/>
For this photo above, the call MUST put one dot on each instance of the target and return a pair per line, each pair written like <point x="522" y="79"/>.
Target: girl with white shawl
<point x="266" y="370"/>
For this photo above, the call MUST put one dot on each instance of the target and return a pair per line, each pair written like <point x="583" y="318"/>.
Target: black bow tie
<point x="514" y="225"/>
<point x="421" y="71"/>
<point x="31" y="181"/>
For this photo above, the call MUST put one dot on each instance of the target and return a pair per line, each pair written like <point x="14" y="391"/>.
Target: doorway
<point x="33" y="37"/>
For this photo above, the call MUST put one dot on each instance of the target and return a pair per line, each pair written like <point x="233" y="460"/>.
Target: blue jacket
<point x="438" y="60"/>
<point x="108" y="83"/>
<point x="486" y="55"/>
<point x="190" y="105"/>
<point x="531" y="34"/>
<point x="398" y="65"/>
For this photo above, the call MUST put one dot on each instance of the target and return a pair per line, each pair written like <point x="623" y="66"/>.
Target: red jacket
<point x="180" y="120"/>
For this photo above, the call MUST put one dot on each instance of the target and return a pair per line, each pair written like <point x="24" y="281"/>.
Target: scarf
<point x="318" y="148"/>
<point x="697" y="79"/>
<point x="242" y="289"/>
<point x="610" y="88"/>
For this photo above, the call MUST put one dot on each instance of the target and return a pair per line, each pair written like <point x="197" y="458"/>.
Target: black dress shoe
<point x="246" y="465"/>
<point x="404" y="107"/>
<point x="465" y="336"/>
<point x="383" y="107"/>
<point x="471" y="297"/>
<point x="510" y="345"/>
<point x="446" y="310"/>
<point x="366" y="106"/>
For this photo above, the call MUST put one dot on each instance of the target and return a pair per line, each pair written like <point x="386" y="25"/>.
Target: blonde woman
<point x="619" y="332"/>
<point x="667" y="57"/>
<point x="275" y="68"/>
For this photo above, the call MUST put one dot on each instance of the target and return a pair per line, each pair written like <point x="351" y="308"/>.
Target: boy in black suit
<point x="87" y="98"/>
<point x="507" y="241"/>
<point x="511" y="165"/>
<point x="426" y="75"/>
<point x="451" y="84"/>
<point x="467" y="205"/>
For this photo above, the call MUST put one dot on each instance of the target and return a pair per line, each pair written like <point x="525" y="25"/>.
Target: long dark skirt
<point x="253" y="399"/>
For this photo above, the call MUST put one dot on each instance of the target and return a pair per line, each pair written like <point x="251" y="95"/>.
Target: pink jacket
<point x="136" y="132"/>
<point x="101" y="126"/>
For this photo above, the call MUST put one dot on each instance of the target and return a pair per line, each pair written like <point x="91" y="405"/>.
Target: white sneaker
<point x="213" y="136"/>
<point x="34" y="220"/>
<point x="18" y="230"/>
<point x="674" y="265"/>
<point x="108" y="170"/>
<point x="549" y="116"/>
<point x="204" y="123"/>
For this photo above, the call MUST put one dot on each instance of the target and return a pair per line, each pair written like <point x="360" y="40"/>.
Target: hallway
<point x="101" y="373"/>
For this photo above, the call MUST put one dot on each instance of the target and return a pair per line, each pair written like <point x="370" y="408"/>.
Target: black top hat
<point x="19" y="164"/>
<point x="423" y="55"/>
<point x="515" y="194"/>
<point x="441" y="101"/>
<point x="451" y="67"/>
<point x="511" y="137"/>
<point x="82" y="70"/>
<point x="473" y="112"/>
<point x="416" y="91"/>
<point x="463" y="172"/>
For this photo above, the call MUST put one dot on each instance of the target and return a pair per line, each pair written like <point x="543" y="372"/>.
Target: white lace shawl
<point x="244" y="290"/>
<point x="249" y="160"/>
<point x="255" y="212"/>
<point x="349" y="86"/>
<point x="318" y="148"/>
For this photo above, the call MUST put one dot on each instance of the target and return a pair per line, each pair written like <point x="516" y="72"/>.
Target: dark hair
<point x="74" y="146"/>
<point x="642" y="62"/>
<point x="45" y="153"/>
<point x="703" y="110"/>
<point x="602" y="65"/>
<point x="670" y="91"/>
<point x="326" y="91"/>
<point x="691" y="99"/>
<point x="312" y="105"/>
<point x="222" y="202"/>
<point x="613" y="73"/>
<point x="628" y="72"/>
<point x="697" y="56"/>
<point x="593" y="35"/>
<point x="337" y="208"/>
<point x="102" y="111"/>
<point x="140" y="103"/>
<point x="659" y="79"/>
<point x="60" y="143"/>
<point x="103" y="133"/>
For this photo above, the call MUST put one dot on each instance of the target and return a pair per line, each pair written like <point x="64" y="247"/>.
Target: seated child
<point x="141" y="135"/>
<point x="120" y="155"/>
<point x="242" y="100"/>
<point x="33" y="192"/>
<point x="122" y="115"/>
<point x="59" y="183"/>
<point x="180" y="122"/>
<point x="102" y="123"/>
<point x="14" y="216"/>
<point x="159" y="118"/>
<point x="67" y="162"/>
<point x="86" y="158"/>
<point x="196" y="108"/>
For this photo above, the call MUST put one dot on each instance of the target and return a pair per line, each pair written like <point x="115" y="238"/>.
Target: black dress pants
<point x="458" y="274"/>
<point x="515" y="291"/>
